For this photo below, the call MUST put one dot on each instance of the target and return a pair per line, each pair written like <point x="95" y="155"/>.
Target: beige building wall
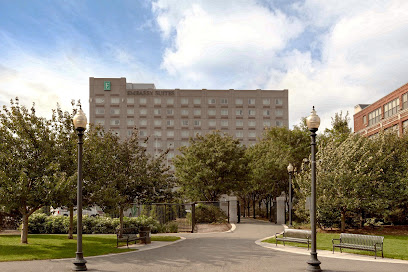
<point x="171" y="116"/>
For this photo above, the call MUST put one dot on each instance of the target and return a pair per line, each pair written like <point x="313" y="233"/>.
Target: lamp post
<point x="80" y="126"/>
<point x="290" y="171"/>
<point x="313" y="122"/>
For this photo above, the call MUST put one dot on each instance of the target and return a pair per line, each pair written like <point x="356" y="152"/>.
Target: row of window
<point x="184" y="134"/>
<point x="196" y="123"/>
<point x="186" y="112"/>
<point x="186" y="101"/>
<point x="391" y="108"/>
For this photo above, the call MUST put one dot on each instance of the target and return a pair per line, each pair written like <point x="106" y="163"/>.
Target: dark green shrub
<point x="209" y="214"/>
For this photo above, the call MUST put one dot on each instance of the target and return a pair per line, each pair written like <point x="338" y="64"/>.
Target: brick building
<point x="389" y="113"/>
<point x="171" y="116"/>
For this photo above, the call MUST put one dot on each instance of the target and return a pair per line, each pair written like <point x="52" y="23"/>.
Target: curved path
<point x="235" y="251"/>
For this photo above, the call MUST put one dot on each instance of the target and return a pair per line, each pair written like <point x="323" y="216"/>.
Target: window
<point x="130" y="111"/>
<point x="157" y="133"/>
<point x="115" y="122"/>
<point x="239" y="101"/>
<point x="170" y="101"/>
<point x="251" y="123"/>
<point x="99" y="100"/>
<point x="197" y="112"/>
<point x="394" y="130"/>
<point x="278" y="101"/>
<point x="212" y="123"/>
<point x="405" y="127"/>
<point x="251" y="101"/>
<point x="224" y="112"/>
<point x="100" y="122"/>
<point x="224" y="123"/>
<point x="391" y="108"/>
<point x="116" y="132"/>
<point x="143" y="122"/>
<point x="239" y="112"/>
<point x="197" y="133"/>
<point x="142" y="133"/>
<point x="405" y="101"/>
<point x="197" y="123"/>
<point x="170" y="155"/>
<point x="211" y="101"/>
<point x="197" y="101"/>
<point x="130" y="122"/>
<point x="267" y="123"/>
<point x="157" y="144"/>
<point x="365" y="119"/>
<point x="170" y="123"/>
<point x="115" y="100"/>
<point x="184" y="101"/>
<point x="100" y="111"/>
<point x="157" y="101"/>
<point x="170" y="111"/>
<point x="142" y="101"/>
<point x="184" y="122"/>
<point x="185" y="143"/>
<point x="115" y="111"/>
<point x="266" y="112"/>
<point x="129" y="132"/>
<point x="224" y="101"/>
<point x="157" y="111"/>
<point x="279" y="112"/>
<point x="157" y="122"/>
<point x="184" y="112"/>
<point x="252" y="134"/>
<point x="239" y="123"/>
<point x="239" y="134"/>
<point x="185" y="133"/>
<point x="251" y="112"/>
<point x="374" y="117"/>
<point x="170" y="144"/>
<point x="266" y="101"/>
<point x="130" y="100"/>
<point x="170" y="133"/>
<point x="143" y="111"/>
<point x="211" y="112"/>
<point x="279" y="123"/>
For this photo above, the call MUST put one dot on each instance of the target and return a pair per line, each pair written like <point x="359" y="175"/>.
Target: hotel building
<point x="169" y="117"/>
<point x="389" y="113"/>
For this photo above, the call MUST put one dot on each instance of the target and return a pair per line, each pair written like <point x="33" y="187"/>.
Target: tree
<point x="211" y="166"/>
<point x="30" y="176"/>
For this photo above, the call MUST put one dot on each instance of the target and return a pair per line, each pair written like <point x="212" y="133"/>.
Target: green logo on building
<point x="107" y="85"/>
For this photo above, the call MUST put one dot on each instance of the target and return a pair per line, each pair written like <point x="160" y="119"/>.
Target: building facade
<point x="169" y="117"/>
<point x="389" y="113"/>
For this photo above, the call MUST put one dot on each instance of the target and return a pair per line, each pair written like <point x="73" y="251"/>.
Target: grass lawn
<point x="395" y="246"/>
<point x="56" y="246"/>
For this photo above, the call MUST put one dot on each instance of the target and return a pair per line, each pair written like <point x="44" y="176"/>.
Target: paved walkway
<point x="235" y="251"/>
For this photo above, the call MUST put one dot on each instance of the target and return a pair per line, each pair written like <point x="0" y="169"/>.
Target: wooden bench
<point x="295" y="236"/>
<point x="128" y="235"/>
<point x="360" y="242"/>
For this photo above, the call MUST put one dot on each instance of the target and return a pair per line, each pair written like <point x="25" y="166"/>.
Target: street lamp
<point x="80" y="126"/>
<point x="290" y="171"/>
<point x="313" y="122"/>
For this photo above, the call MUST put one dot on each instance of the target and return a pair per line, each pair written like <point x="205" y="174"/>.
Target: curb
<point x="326" y="253"/>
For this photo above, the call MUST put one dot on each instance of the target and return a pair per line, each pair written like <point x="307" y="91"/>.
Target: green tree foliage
<point x="212" y="165"/>
<point x="30" y="175"/>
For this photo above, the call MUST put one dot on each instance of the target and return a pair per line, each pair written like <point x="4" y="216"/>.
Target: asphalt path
<point x="234" y="251"/>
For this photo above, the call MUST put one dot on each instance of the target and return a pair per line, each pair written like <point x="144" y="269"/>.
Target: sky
<point x="329" y="54"/>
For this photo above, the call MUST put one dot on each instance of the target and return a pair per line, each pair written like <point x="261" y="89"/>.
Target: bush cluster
<point x="42" y="224"/>
<point x="209" y="214"/>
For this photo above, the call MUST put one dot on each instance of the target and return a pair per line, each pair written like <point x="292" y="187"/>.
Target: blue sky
<point x="330" y="54"/>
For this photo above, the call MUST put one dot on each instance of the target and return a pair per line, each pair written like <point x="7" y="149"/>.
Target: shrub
<point x="41" y="223"/>
<point x="209" y="214"/>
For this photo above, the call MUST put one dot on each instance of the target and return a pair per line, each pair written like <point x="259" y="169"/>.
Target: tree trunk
<point x="343" y="221"/>
<point x="253" y="205"/>
<point x="121" y="221"/>
<point x="71" y="222"/>
<point x="248" y="207"/>
<point x="244" y="207"/>
<point x="24" y="230"/>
